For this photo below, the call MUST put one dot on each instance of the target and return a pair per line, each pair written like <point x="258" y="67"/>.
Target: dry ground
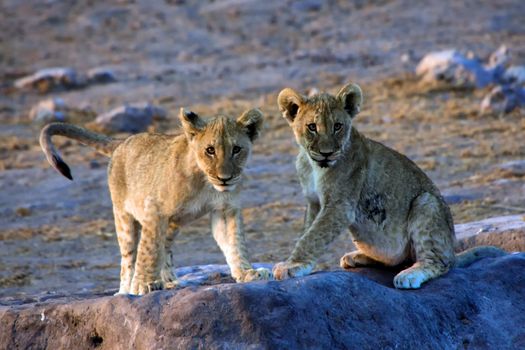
<point x="223" y="57"/>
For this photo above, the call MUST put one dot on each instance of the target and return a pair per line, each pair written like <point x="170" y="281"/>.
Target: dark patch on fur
<point x="62" y="167"/>
<point x="373" y="207"/>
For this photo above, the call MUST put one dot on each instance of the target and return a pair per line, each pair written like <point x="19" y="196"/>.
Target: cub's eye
<point x="338" y="126"/>
<point x="210" y="150"/>
<point x="236" y="149"/>
<point x="312" y="127"/>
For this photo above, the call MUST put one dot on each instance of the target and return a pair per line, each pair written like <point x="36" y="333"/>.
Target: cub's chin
<point x="325" y="163"/>
<point x="224" y="188"/>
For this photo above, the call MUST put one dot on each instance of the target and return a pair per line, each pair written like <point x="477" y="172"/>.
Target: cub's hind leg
<point x="432" y="235"/>
<point x="151" y="252"/>
<point x="166" y="272"/>
<point x="127" y="234"/>
<point x="356" y="259"/>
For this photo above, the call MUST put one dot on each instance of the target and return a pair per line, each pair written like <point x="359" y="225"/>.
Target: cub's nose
<point x="224" y="179"/>
<point x="326" y="154"/>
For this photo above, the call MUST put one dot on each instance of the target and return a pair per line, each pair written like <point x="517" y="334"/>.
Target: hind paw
<point x="142" y="288"/>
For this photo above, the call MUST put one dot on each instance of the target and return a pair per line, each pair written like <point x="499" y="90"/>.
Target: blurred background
<point x="443" y="83"/>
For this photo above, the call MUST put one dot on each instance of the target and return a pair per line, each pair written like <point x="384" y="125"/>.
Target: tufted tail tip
<point x="62" y="167"/>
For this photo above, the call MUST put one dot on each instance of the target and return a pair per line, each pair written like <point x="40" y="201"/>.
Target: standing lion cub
<point x="159" y="183"/>
<point x="393" y="210"/>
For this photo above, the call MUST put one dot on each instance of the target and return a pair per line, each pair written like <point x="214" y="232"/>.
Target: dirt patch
<point x="224" y="58"/>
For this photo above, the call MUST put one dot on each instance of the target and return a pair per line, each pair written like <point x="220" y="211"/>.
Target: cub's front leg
<point x="329" y="223"/>
<point x="227" y="228"/>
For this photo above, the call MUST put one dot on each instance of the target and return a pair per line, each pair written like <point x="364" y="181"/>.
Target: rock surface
<point x="503" y="99"/>
<point x="57" y="110"/>
<point x="477" y="307"/>
<point x="452" y="67"/>
<point x="48" y="79"/>
<point x="506" y="232"/>
<point x="130" y="118"/>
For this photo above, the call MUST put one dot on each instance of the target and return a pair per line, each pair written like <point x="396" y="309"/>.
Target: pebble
<point x="458" y="70"/>
<point x="48" y="79"/>
<point x="50" y="110"/>
<point x="503" y="99"/>
<point x="130" y="118"/>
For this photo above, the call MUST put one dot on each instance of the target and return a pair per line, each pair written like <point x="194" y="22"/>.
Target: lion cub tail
<point x="103" y="144"/>
<point x="472" y="255"/>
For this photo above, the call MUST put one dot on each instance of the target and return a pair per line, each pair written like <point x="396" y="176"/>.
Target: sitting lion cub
<point x="393" y="210"/>
<point x="160" y="182"/>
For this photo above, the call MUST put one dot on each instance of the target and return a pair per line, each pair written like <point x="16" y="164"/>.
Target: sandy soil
<point x="57" y="236"/>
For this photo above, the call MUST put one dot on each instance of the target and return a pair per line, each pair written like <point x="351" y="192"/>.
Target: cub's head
<point x="222" y="145"/>
<point x="322" y="123"/>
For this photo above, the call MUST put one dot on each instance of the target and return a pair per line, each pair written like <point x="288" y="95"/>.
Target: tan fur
<point x="393" y="210"/>
<point x="161" y="182"/>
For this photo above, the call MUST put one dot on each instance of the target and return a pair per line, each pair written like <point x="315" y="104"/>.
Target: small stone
<point x="307" y="5"/>
<point x="130" y="118"/>
<point x="48" y="79"/>
<point x="49" y="110"/>
<point x="515" y="166"/>
<point x="503" y="99"/>
<point x="93" y="164"/>
<point x="23" y="211"/>
<point x="101" y="76"/>
<point x="515" y="75"/>
<point x="455" y="69"/>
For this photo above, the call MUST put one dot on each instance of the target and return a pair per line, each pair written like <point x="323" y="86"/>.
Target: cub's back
<point x="143" y="162"/>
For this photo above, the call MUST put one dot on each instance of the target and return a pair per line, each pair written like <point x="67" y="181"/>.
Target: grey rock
<point x="479" y="307"/>
<point x="130" y="118"/>
<point x="507" y="232"/>
<point x="453" y="68"/>
<point x="515" y="166"/>
<point x="460" y="196"/>
<point x="503" y="99"/>
<point x="514" y="75"/>
<point x="307" y="5"/>
<point x="49" y="79"/>
<point x="48" y="111"/>
<point x="101" y="75"/>
<point x="56" y="109"/>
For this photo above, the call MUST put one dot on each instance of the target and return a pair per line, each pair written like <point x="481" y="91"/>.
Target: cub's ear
<point x="351" y="98"/>
<point x="191" y="123"/>
<point x="289" y="102"/>
<point x="252" y="121"/>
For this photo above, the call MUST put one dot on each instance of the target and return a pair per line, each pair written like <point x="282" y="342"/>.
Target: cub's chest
<point x="312" y="181"/>
<point x="199" y="203"/>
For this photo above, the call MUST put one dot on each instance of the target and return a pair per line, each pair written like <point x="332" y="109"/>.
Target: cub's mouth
<point x="224" y="186"/>
<point x="325" y="163"/>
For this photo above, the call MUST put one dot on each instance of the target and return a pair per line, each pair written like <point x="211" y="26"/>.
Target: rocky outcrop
<point x="506" y="232"/>
<point x="130" y="118"/>
<point x="57" y="110"/>
<point x="453" y="68"/>
<point x="479" y="307"/>
<point x="63" y="78"/>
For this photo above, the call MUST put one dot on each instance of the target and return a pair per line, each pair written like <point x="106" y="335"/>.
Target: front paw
<point x="284" y="270"/>
<point x="142" y="288"/>
<point x="256" y="275"/>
